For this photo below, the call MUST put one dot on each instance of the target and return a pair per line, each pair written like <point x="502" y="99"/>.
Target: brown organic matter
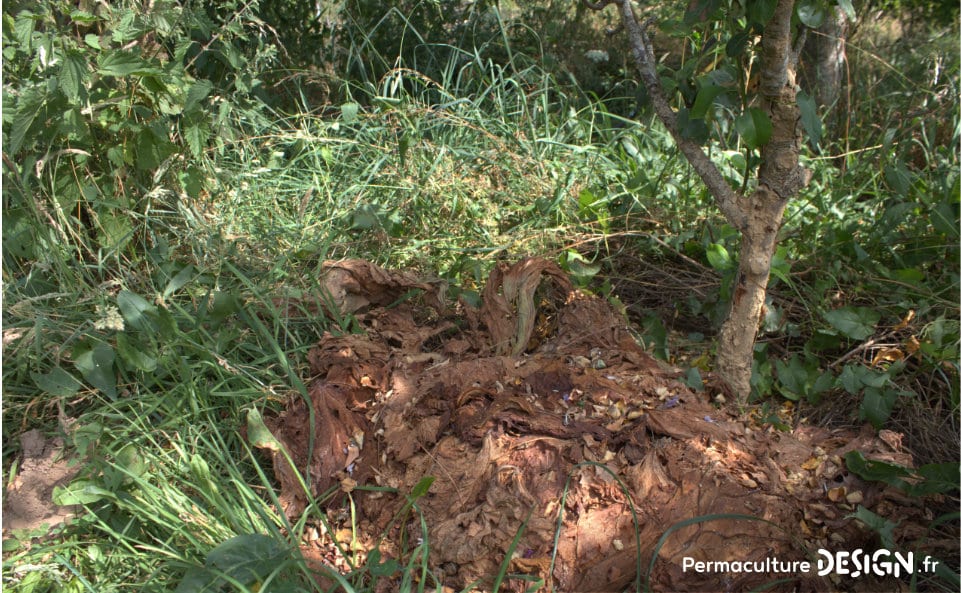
<point x="539" y="413"/>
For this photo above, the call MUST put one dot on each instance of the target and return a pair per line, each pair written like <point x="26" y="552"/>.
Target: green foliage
<point x="165" y="219"/>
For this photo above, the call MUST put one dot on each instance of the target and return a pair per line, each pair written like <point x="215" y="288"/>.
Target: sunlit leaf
<point x="73" y="74"/>
<point x="258" y="434"/>
<point x="718" y="257"/>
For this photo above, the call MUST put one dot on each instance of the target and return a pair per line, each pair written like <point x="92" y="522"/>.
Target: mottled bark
<point x="758" y="215"/>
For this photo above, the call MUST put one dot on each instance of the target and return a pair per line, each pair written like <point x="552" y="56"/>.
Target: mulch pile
<point x="539" y="413"/>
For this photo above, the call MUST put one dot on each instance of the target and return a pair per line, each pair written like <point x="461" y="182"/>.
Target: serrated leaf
<point x="754" y="127"/>
<point x="198" y="92"/>
<point x="810" y="119"/>
<point x="125" y="63"/>
<point x="23" y="28"/>
<point x="856" y="323"/>
<point x="196" y="135"/>
<point x="27" y="110"/>
<point x="96" y="366"/>
<point x="73" y="75"/>
<point x="58" y="382"/>
<point x="92" y="41"/>
<point x="258" y="434"/>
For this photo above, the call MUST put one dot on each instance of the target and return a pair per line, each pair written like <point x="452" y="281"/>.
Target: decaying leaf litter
<point x="538" y="412"/>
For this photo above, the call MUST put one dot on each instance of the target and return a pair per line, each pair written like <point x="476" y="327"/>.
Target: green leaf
<point x="92" y="41"/>
<point x="812" y="12"/>
<point x="198" y="92"/>
<point x="693" y="379"/>
<point x="348" y="112"/>
<point x="130" y="459"/>
<point x="179" y="280"/>
<point x="422" y="487"/>
<point x="883" y="527"/>
<point x="58" y="382"/>
<point x="82" y="16"/>
<point x="96" y="366"/>
<point x="258" y="434"/>
<point x="249" y="557"/>
<point x="709" y="86"/>
<point x="939" y="478"/>
<point x="196" y="135"/>
<point x="73" y="75"/>
<point x="898" y="178"/>
<point x="136" y="355"/>
<point x="759" y="12"/>
<point x="117" y="229"/>
<point x="137" y="311"/>
<point x="28" y="109"/>
<point x="80" y="492"/>
<point x="754" y="127"/>
<point x="810" y="119"/>
<point x="877" y="404"/>
<point x="792" y="378"/>
<point x="125" y="63"/>
<point x="719" y="258"/>
<point x="856" y="323"/>
<point x="850" y="380"/>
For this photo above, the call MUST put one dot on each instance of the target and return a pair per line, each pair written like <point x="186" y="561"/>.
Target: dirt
<point x="28" y="499"/>
<point x="538" y="413"/>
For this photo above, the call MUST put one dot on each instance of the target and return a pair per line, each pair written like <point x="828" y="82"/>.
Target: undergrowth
<point x="163" y="215"/>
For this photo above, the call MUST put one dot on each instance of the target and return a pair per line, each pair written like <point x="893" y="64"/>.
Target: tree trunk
<point x="822" y="71"/>
<point x="758" y="216"/>
<point x="779" y="179"/>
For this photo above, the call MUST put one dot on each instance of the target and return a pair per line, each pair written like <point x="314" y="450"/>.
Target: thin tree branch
<point x="725" y="196"/>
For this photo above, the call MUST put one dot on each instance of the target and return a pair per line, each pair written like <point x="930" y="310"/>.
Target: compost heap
<point x="538" y="413"/>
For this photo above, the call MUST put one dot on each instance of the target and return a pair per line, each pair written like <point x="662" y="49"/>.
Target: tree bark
<point x="822" y="71"/>
<point x="780" y="177"/>
<point x="758" y="216"/>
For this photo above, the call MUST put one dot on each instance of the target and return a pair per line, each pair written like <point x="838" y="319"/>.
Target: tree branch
<point x="724" y="194"/>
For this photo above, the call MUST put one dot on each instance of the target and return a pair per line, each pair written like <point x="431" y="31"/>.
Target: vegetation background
<point x="172" y="171"/>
